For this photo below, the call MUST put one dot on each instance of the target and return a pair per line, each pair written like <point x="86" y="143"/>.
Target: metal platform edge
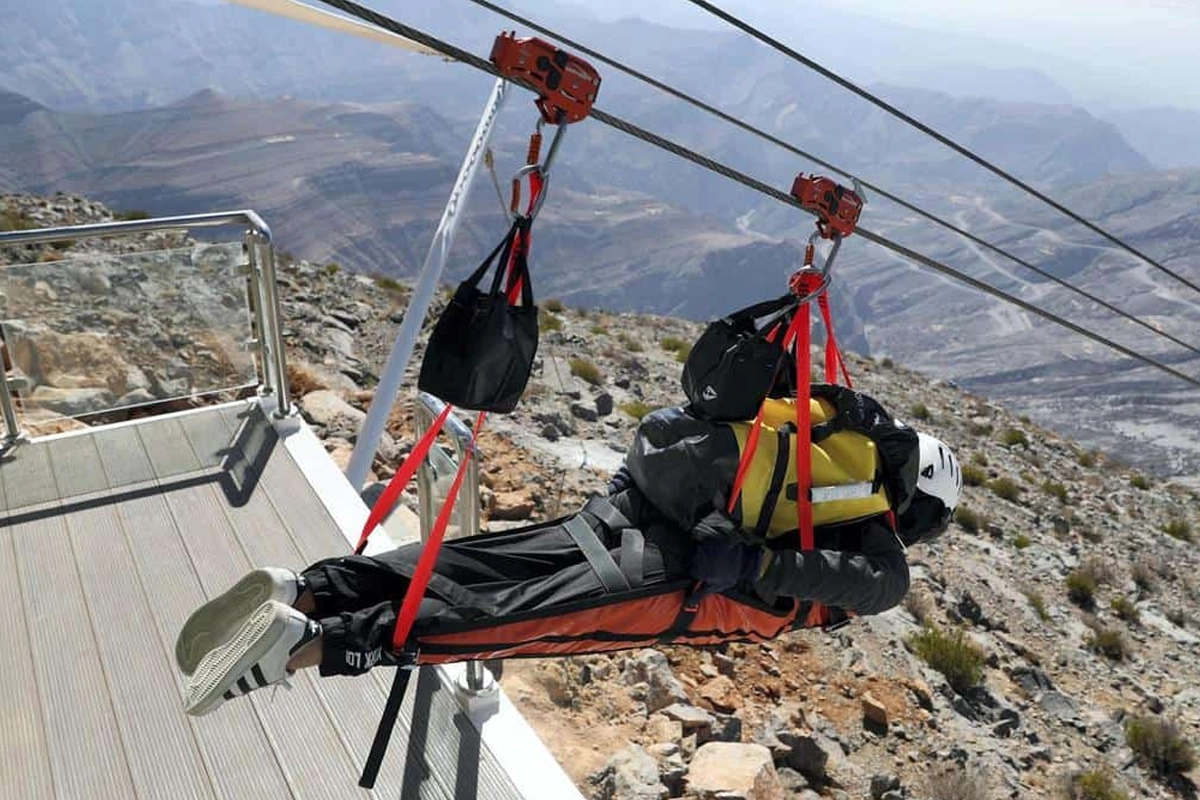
<point x="518" y="749"/>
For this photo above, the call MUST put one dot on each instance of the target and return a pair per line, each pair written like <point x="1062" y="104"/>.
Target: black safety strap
<point x="387" y="722"/>
<point x="778" y="476"/>
<point x="633" y="549"/>
<point x="606" y="512"/>
<point x="597" y="555"/>
<point x="687" y="612"/>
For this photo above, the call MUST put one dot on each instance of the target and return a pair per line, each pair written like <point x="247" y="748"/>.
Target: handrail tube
<point x="430" y="408"/>
<point x="264" y="291"/>
<point x="215" y="220"/>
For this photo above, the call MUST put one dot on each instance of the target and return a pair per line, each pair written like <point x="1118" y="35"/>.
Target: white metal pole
<point x="414" y="315"/>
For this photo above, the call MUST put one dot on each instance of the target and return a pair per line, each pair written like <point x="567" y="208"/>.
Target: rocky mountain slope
<point x="856" y="713"/>
<point x="1070" y="578"/>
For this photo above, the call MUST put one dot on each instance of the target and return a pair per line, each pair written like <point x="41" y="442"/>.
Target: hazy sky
<point x="1124" y="52"/>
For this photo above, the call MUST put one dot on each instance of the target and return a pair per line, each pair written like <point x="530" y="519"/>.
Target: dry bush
<point x="954" y="655"/>
<point x="303" y="379"/>
<point x="1160" y="746"/>
<point x="959" y="784"/>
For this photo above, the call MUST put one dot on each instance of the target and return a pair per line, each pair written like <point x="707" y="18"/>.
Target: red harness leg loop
<point x="429" y="554"/>
<point x="400" y="480"/>
<point x="804" y="511"/>
<point x="833" y="353"/>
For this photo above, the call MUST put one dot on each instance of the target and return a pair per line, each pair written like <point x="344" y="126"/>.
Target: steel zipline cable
<point x="931" y="132"/>
<point x="458" y="54"/>
<point x="745" y="126"/>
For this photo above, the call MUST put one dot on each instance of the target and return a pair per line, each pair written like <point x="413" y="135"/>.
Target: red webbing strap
<point x="833" y="353"/>
<point x="429" y="554"/>
<point x="400" y="480"/>
<point x="756" y="428"/>
<point x="524" y="239"/>
<point x="804" y="510"/>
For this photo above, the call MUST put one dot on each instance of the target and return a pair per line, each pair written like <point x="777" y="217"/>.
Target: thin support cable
<point x="940" y="137"/>
<point x="717" y="167"/>
<point x="877" y="190"/>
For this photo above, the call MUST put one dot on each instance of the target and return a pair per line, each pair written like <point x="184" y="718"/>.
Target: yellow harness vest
<point x="845" y="472"/>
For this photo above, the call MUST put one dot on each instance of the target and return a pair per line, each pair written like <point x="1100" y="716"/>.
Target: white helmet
<point x="940" y="475"/>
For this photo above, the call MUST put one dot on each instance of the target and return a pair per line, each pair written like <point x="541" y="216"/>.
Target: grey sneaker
<point x="211" y="625"/>
<point x="256" y="656"/>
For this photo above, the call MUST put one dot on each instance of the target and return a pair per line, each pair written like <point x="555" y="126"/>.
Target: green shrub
<point x="920" y="412"/>
<point x="586" y="370"/>
<point x="1005" y="489"/>
<point x="973" y="476"/>
<point x="682" y="354"/>
<point x="958" y="659"/>
<point x="631" y="345"/>
<point x="1108" y="642"/>
<point x="887" y="362"/>
<point x="979" y="429"/>
<point x="1124" y="608"/>
<point x="389" y="284"/>
<point x="1160" y="746"/>
<point x="1087" y="459"/>
<point x="13" y="220"/>
<point x="548" y="322"/>
<point x="1021" y="541"/>
<point x="132" y="215"/>
<point x="1138" y="481"/>
<point x="672" y="344"/>
<point x="599" y="330"/>
<point x="553" y="304"/>
<point x="1081" y="587"/>
<point x="968" y="520"/>
<point x="1055" y="490"/>
<point x="1038" y="604"/>
<point x="979" y="458"/>
<point x="1095" y="784"/>
<point x="1013" y="436"/>
<point x="636" y="409"/>
<point x="1179" y="529"/>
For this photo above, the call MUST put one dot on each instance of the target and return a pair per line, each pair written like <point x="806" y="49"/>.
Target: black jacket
<point x="858" y="567"/>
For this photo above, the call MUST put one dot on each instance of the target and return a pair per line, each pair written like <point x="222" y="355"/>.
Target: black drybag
<point x="481" y="351"/>
<point x="739" y="361"/>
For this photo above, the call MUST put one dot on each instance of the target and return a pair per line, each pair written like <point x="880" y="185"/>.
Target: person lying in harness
<point x="660" y="560"/>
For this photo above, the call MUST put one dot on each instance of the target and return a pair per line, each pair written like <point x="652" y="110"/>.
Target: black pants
<point x="358" y="597"/>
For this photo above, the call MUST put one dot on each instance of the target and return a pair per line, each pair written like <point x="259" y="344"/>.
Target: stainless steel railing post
<point x="274" y="316"/>
<point x="262" y="333"/>
<point x="11" y="425"/>
<point x="428" y="409"/>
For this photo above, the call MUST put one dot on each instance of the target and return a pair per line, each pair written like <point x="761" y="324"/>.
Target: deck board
<point x="168" y="448"/>
<point x="24" y="765"/>
<point x="220" y="560"/>
<point x="91" y="705"/>
<point x="27" y="476"/>
<point x="75" y="463"/>
<point x="232" y="741"/>
<point x="87" y="756"/>
<point x="124" y="457"/>
<point x="161" y="746"/>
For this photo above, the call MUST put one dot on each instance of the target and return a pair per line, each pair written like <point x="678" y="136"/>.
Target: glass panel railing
<point x="91" y="335"/>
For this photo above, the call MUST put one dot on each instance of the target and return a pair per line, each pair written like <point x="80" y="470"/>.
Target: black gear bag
<point x="738" y="362"/>
<point x="481" y="351"/>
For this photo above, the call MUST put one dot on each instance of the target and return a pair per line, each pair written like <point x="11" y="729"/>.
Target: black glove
<point x="722" y="564"/>
<point x="852" y="410"/>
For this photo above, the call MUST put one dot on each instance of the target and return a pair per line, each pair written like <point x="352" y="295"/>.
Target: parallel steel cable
<point x="717" y="167"/>
<point x="940" y="137"/>
<point x="745" y="126"/>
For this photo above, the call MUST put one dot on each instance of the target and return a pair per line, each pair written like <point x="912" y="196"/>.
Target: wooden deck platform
<point x="108" y="539"/>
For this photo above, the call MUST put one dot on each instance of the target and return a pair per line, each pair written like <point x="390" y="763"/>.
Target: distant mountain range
<point x="626" y="226"/>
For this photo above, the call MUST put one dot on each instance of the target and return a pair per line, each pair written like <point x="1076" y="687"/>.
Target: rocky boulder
<point x="733" y="771"/>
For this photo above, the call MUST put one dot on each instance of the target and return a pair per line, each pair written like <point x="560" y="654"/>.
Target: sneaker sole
<point x="215" y="622"/>
<point x="220" y="669"/>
